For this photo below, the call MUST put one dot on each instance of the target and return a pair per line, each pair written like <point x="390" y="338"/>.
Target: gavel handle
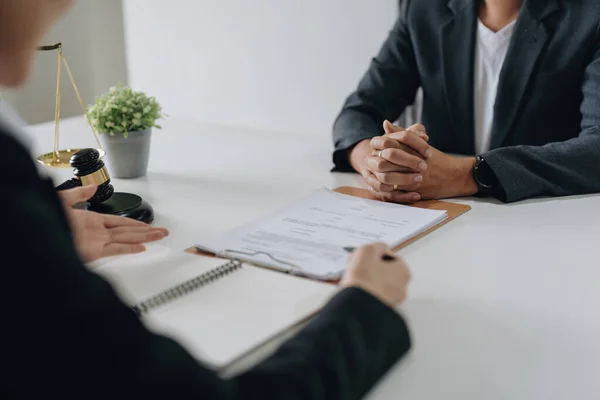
<point x="70" y="184"/>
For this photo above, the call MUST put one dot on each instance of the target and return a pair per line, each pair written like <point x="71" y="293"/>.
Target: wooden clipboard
<point x="454" y="211"/>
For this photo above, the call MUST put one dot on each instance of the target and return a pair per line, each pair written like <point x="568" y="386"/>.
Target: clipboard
<point x="454" y="210"/>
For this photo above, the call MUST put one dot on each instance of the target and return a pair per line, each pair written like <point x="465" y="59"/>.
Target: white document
<point x="308" y="237"/>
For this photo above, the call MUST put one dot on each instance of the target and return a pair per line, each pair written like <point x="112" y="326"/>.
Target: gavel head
<point x="90" y="170"/>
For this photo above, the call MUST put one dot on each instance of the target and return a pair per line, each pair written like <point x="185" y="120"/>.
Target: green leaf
<point x="109" y="107"/>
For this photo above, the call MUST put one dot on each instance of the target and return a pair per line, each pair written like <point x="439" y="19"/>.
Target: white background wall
<point x="93" y="40"/>
<point x="284" y="65"/>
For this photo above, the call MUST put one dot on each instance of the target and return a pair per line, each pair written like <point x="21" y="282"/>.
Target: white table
<point x="504" y="303"/>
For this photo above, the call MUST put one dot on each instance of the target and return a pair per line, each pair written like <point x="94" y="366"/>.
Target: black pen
<point x="386" y="257"/>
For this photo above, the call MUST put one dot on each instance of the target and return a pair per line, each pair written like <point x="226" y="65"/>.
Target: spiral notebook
<point x="218" y="310"/>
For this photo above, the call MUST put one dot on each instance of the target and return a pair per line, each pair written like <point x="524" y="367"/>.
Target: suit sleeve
<point x="65" y="331"/>
<point x="561" y="168"/>
<point x="387" y="88"/>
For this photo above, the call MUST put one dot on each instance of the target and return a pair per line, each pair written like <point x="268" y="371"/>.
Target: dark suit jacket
<point x="65" y="333"/>
<point x="546" y="137"/>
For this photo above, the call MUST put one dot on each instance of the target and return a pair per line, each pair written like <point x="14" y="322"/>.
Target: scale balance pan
<point x="61" y="159"/>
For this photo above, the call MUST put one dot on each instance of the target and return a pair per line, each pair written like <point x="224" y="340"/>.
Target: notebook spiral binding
<point x="184" y="288"/>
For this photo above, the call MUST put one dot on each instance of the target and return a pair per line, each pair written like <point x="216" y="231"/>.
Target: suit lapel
<point x="458" y="57"/>
<point x="529" y="41"/>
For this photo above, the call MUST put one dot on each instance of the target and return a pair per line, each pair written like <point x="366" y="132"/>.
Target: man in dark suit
<point x="65" y="333"/>
<point x="514" y="82"/>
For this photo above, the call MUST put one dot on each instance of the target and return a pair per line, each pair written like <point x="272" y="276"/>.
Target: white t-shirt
<point x="490" y="52"/>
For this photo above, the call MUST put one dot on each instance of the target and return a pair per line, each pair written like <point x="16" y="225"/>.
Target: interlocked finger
<point x="414" y="141"/>
<point x="402" y="181"/>
<point x="403" y="159"/>
<point x="396" y="196"/>
<point x="376" y="184"/>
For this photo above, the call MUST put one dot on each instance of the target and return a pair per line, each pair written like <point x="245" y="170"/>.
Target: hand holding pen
<point x="386" y="257"/>
<point x="375" y="270"/>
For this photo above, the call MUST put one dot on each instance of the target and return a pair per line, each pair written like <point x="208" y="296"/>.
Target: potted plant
<point x="124" y="120"/>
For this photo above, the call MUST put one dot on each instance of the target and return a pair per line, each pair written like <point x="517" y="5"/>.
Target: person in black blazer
<point x="66" y="334"/>
<point x="544" y="119"/>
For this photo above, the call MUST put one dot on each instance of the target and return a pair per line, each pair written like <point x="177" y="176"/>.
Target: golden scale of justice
<point x="87" y="164"/>
<point x="61" y="158"/>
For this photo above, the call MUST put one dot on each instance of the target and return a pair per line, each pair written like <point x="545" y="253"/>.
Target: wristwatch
<point x="487" y="182"/>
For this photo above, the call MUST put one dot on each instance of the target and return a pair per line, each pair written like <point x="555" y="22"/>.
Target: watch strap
<point x="485" y="178"/>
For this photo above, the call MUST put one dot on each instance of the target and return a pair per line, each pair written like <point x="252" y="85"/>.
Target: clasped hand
<point x="403" y="167"/>
<point x="99" y="235"/>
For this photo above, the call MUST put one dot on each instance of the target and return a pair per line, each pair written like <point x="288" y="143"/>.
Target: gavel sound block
<point x="90" y="170"/>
